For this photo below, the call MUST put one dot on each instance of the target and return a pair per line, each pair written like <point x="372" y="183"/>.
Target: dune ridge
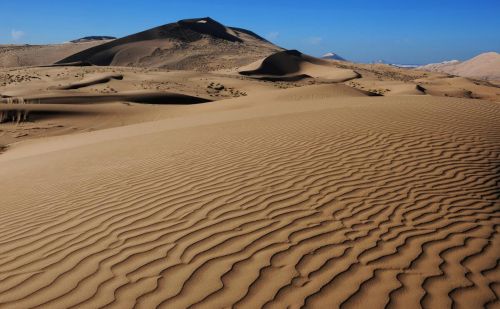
<point x="292" y="65"/>
<point x="308" y="202"/>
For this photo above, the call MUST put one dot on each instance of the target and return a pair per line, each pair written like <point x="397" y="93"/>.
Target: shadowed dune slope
<point x="95" y="80"/>
<point x="292" y="64"/>
<point x="157" y="97"/>
<point x="187" y="44"/>
<point x="352" y="202"/>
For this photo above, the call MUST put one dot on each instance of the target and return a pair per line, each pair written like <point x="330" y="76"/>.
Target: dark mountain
<point x="192" y="44"/>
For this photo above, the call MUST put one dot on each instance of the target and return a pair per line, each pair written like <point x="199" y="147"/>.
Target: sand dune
<point x="302" y="182"/>
<point x="66" y="100"/>
<point x="485" y="66"/>
<point x="293" y="65"/>
<point x="459" y="87"/>
<point x="388" y="80"/>
<point x="321" y="202"/>
<point x="195" y="165"/>
<point x="200" y="44"/>
<point x="94" y="97"/>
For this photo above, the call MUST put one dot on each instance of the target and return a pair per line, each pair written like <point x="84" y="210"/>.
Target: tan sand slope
<point x="36" y="55"/>
<point x="195" y="44"/>
<point x="320" y="202"/>
<point x="20" y="109"/>
<point x="485" y="66"/>
<point x="293" y="65"/>
<point x="62" y="100"/>
<point x="439" y="67"/>
<point x="392" y="81"/>
<point x="94" y="98"/>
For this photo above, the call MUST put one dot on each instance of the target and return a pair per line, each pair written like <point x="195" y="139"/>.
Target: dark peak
<point x="210" y="22"/>
<point x="203" y="20"/>
<point x="210" y="27"/>
<point x="293" y="52"/>
<point x="186" y="31"/>
<point x="333" y="56"/>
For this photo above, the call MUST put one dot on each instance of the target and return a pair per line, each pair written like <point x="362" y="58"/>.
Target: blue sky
<point x="403" y="31"/>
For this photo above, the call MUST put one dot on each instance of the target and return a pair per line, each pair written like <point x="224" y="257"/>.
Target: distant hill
<point x="201" y="44"/>
<point x="404" y="66"/>
<point x="333" y="56"/>
<point x="439" y="67"/>
<point x="93" y="38"/>
<point x="484" y="66"/>
<point x="35" y="55"/>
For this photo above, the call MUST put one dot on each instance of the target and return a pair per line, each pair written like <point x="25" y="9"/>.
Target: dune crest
<point x="293" y="65"/>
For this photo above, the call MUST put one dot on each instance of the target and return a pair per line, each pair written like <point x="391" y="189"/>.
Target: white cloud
<point x="16" y="34"/>
<point x="315" y="40"/>
<point x="273" y="35"/>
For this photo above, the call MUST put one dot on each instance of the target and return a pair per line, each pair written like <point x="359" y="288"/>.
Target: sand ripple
<point x="377" y="203"/>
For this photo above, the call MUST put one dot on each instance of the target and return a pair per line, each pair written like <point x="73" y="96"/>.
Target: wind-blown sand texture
<point x="286" y="182"/>
<point x="273" y="200"/>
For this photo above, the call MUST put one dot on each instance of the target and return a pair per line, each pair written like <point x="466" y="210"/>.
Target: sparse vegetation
<point x="379" y="91"/>
<point x="218" y="89"/>
<point x="13" y="115"/>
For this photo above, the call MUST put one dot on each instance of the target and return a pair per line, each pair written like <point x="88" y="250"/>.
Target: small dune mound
<point x="95" y="80"/>
<point x="294" y="65"/>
